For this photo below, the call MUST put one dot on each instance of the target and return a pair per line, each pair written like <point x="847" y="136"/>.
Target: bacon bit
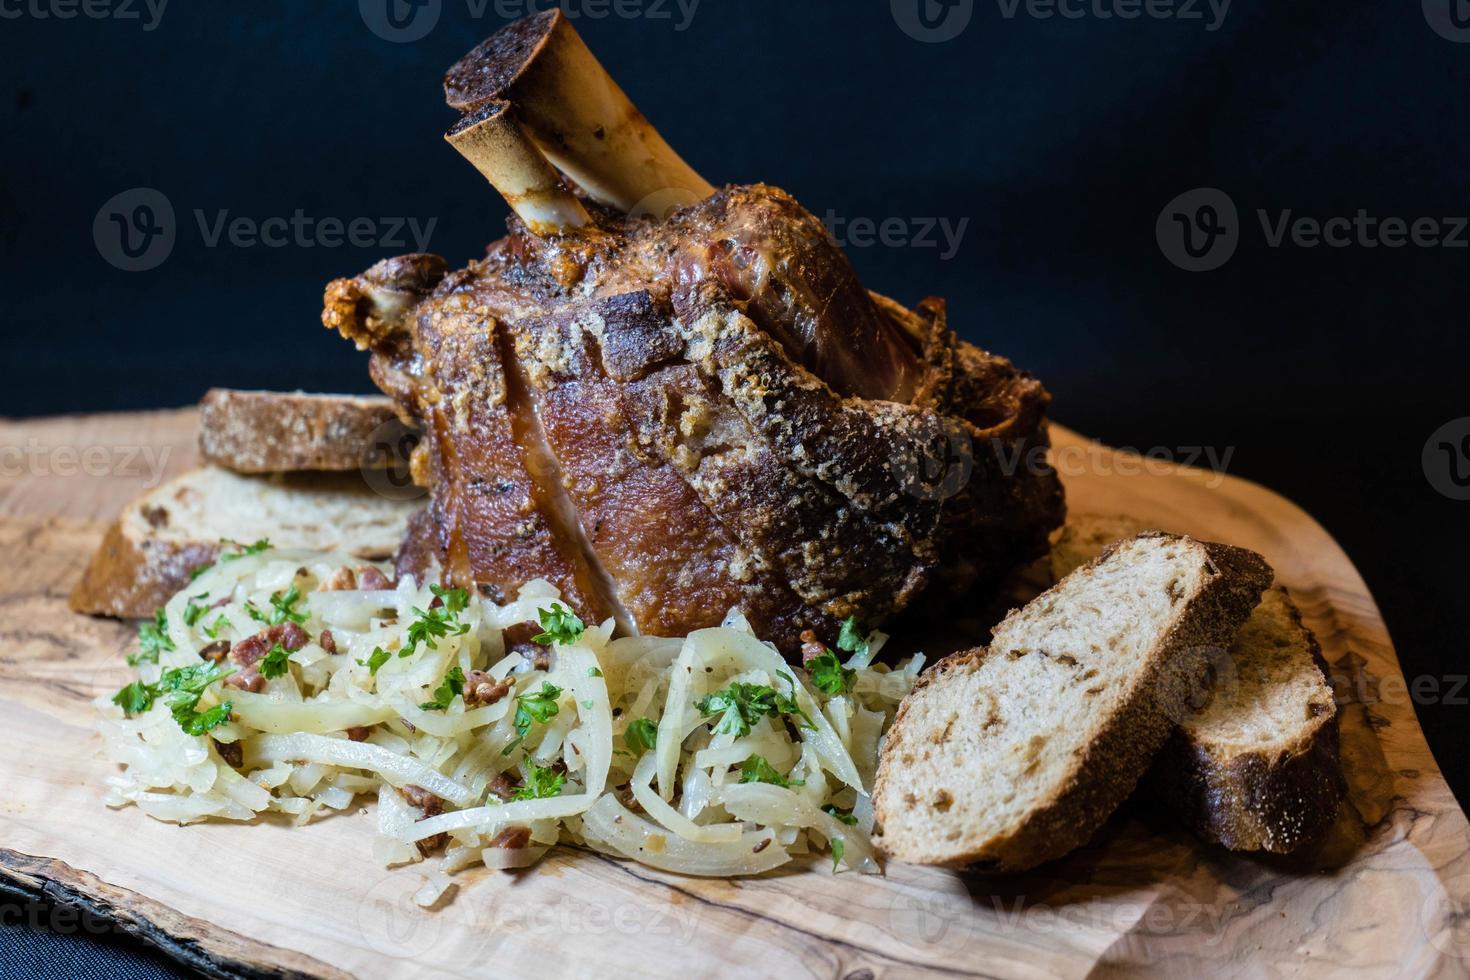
<point x="626" y="798"/>
<point x="248" y="679"/>
<point x="432" y="806"/>
<point x="423" y="799"/>
<point x="371" y="579"/>
<point x="359" y="733"/>
<point x="761" y="846"/>
<point x="231" y="752"/>
<point x="811" y="647"/>
<point x="482" y="688"/>
<point x="512" y="838"/>
<point x="504" y="785"/>
<point x="216" y="651"/>
<point x="327" y="641"/>
<point x="251" y="649"/>
<point x="343" y="579"/>
<point x="518" y="640"/>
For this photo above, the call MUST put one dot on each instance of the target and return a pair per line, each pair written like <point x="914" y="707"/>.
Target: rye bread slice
<point x="1257" y="768"/>
<point x="291" y="432"/>
<point x="1013" y="755"/>
<point x="160" y="538"/>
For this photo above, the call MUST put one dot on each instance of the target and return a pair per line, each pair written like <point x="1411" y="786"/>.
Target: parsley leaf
<point x="275" y="663"/>
<point x="530" y="708"/>
<point x="641" y="736"/>
<point x="838" y="849"/>
<point x="195" y="609"/>
<point x="436" y="623"/>
<point x="594" y="671"/>
<point x="215" y="628"/>
<point x="376" y="659"/>
<point x="540" y="784"/>
<point x="245" y="550"/>
<point x="445" y="693"/>
<point x="153" y="639"/>
<point x="828" y="675"/>
<point x="559" y="625"/>
<point x="134" y="699"/>
<point x="757" y="770"/>
<point x="285" y="607"/>
<point x="850" y="639"/>
<point x="192" y="679"/>
<point x="842" y="815"/>
<point x="741" y="705"/>
<point x="455" y="600"/>
<point x="198" y="722"/>
<point x="200" y="571"/>
<point x="184" y="686"/>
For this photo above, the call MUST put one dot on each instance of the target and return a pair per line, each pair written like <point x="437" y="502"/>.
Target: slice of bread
<point x="160" y="538"/>
<point x="1016" y="754"/>
<point x="290" y="432"/>
<point x="1257" y="769"/>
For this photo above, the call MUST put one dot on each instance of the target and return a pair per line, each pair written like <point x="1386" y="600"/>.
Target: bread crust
<point x="290" y="432"/>
<point x="1257" y="801"/>
<point x="1112" y="764"/>
<point x="130" y="579"/>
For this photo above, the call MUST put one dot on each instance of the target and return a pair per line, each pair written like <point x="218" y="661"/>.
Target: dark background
<point x="1060" y="140"/>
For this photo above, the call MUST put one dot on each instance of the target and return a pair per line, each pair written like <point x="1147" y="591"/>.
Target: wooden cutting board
<point x="1387" y="897"/>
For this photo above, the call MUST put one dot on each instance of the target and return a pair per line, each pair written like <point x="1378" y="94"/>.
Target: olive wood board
<point x="1387" y="895"/>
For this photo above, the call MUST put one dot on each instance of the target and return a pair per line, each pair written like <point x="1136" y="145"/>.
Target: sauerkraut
<point x="703" y="755"/>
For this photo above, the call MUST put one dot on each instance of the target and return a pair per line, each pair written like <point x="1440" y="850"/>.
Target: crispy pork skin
<point x="668" y="419"/>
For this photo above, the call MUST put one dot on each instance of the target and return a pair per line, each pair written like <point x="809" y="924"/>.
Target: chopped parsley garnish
<point x="285" y="607"/>
<point x="842" y="815"/>
<point x="195" y="609"/>
<point x="828" y="675"/>
<point x="559" y="625"/>
<point x="757" y="770"/>
<point x="134" y="699"/>
<point x="455" y="600"/>
<point x="530" y="708"/>
<point x="850" y="639"/>
<point x="275" y="663"/>
<point x="153" y="639"/>
<point x="182" y="687"/>
<point x="741" y="705"/>
<point x="541" y="783"/>
<point x="838" y="849"/>
<point x="215" y="628"/>
<point x="445" y="693"/>
<point x="245" y="550"/>
<point x="437" y="623"/>
<point x="594" y="671"/>
<point x="641" y="736"/>
<point x="376" y="659"/>
<point x="198" y="722"/>
<point x="200" y="571"/>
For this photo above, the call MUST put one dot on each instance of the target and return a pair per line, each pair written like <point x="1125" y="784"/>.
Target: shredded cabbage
<point x="732" y="761"/>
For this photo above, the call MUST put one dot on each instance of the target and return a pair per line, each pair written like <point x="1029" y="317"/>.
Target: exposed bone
<point x="573" y="109"/>
<point x="490" y="138"/>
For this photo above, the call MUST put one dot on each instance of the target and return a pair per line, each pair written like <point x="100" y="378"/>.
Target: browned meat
<point x="327" y="641"/>
<point x="513" y="838"/>
<point x="249" y="650"/>
<point x="667" y="418"/>
<point x="480" y="688"/>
